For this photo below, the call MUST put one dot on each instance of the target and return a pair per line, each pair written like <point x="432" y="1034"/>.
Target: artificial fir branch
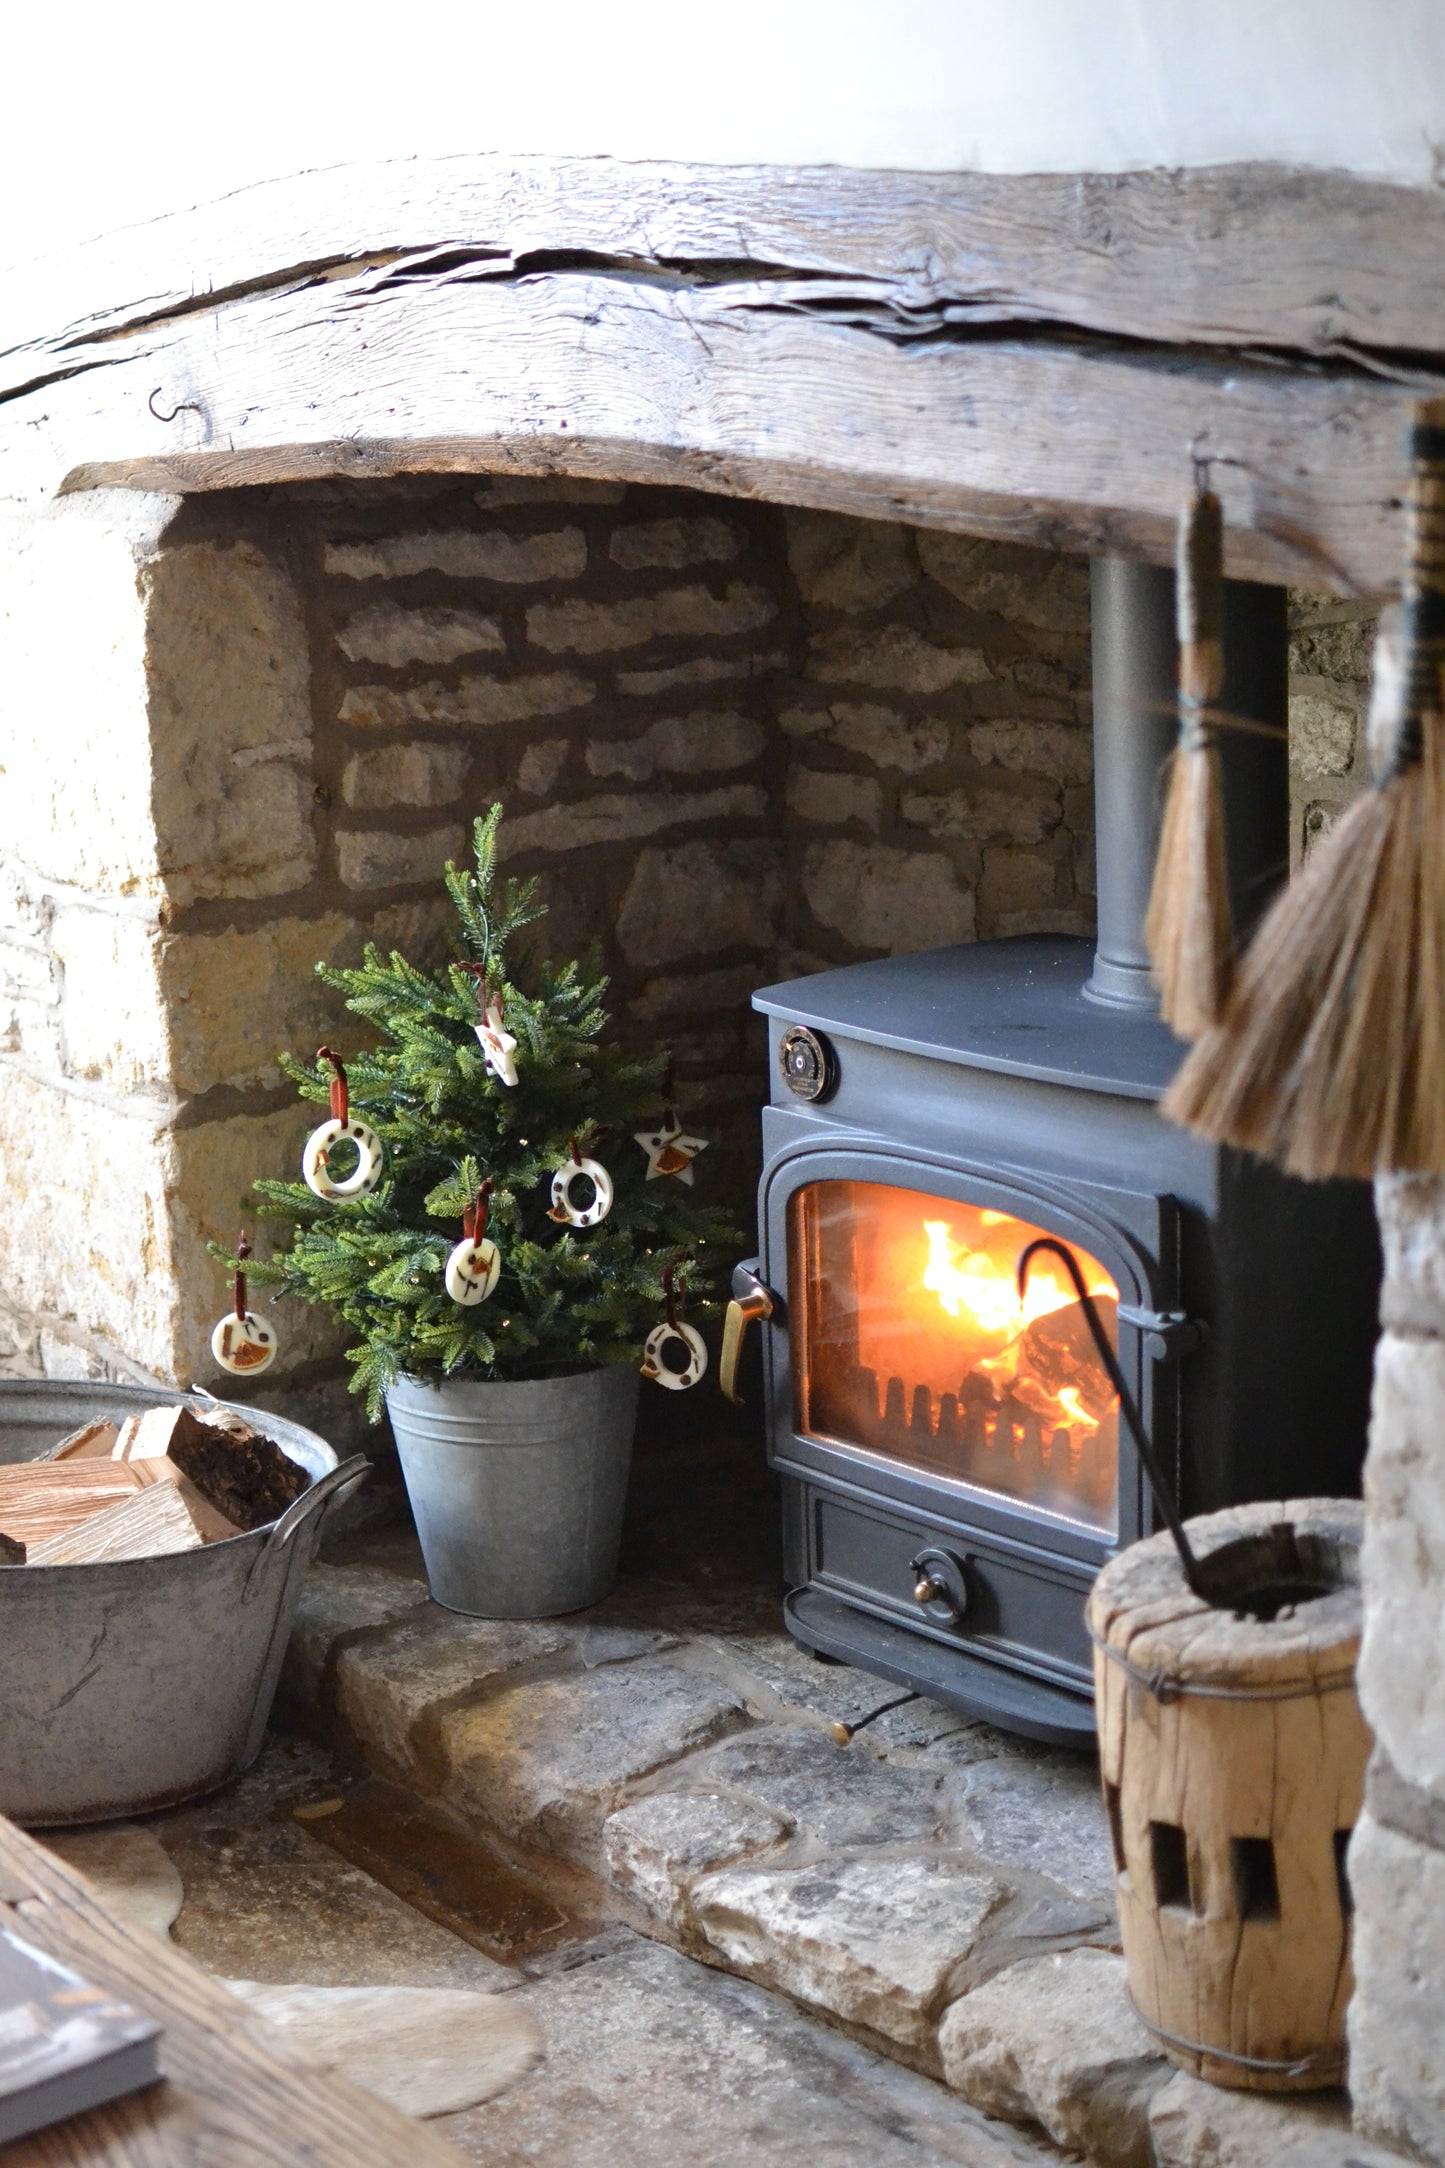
<point x="566" y="1299"/>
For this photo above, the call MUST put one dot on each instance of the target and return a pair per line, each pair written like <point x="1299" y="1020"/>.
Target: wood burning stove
<point x="953" y="1467"/>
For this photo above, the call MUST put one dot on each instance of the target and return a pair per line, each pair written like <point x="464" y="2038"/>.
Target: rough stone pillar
<point x="1397" y="1858"/>
<point x="157" y="755"/>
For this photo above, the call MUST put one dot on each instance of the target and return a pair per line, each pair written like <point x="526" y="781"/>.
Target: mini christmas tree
<point x="493" y="1088"/>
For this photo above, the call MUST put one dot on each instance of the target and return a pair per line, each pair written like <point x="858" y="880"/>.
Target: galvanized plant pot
<point x="140" y="1682"/>
<point x="518" y="1488"/>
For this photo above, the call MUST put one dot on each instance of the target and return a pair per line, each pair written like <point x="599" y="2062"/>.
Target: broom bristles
<point x="1328" y="1058"/>
<point x="1187" y="928"/>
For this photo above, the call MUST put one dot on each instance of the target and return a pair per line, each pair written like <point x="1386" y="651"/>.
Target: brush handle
<point x="1423" y="587"/>
<point x="1199" y="602"/>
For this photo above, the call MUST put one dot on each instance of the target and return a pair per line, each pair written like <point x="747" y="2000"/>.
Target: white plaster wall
<point x="126" y="118"/>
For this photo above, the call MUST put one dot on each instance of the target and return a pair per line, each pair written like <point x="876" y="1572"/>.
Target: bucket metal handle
<point x="337" y="1484"/>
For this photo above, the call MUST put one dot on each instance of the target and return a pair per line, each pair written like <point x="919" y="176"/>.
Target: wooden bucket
<point x="1233" y="1752"/>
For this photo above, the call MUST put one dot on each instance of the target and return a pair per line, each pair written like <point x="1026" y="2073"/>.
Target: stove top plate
<point x="1015" y="1006"/>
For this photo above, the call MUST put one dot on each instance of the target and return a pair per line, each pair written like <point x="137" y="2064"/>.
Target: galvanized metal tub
<point x="133" y="1685"/>
<point x="517" y="1487"/>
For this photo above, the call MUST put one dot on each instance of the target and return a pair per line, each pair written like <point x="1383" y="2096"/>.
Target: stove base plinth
<point x="1027" y="1705"/>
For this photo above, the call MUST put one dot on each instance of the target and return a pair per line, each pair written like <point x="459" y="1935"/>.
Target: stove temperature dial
<point x="808" y="1063"/>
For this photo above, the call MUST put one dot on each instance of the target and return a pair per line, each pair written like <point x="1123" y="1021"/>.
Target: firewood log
<point x="40" y="1499"/>
<point x="153" y="1521"/>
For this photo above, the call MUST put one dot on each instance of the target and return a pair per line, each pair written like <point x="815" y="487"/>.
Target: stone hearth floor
<point x="642" y="1813"/>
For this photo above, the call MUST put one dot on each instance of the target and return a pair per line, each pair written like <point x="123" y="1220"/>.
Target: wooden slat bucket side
<point x="1232" y="1753"/>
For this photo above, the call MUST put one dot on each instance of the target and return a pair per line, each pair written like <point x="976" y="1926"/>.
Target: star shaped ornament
<point x="669" y="1151"/>
<point x="498" y="1045"/>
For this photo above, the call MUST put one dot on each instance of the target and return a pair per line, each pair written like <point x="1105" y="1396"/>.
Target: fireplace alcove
<point x="1034" y="372"/>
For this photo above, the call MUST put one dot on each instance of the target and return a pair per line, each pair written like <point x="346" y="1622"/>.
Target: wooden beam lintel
<point x="1081" y="444"/>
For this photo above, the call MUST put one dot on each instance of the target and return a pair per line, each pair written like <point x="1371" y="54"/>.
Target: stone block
<point x="234" y="999"/>
<point x="1042" y="1816"/>
<point x="839" y="1797"/>
<point x="114" y="1011"/>
<point x="1339" y="649"/>
<point x="871" y="1941"/>
<point x="390" y="634"/>
<point x="706" y="742"/>
<point x="659" y="2062"/>
<point x="700" y="897"/>
<point x="1055" y="2041"/>
<point x="336" y="1602"/>
<point x="475" y="702"/>
<point x="671" y="544"/>
<point x="1075" y="918"/>
<point x="76" y="806"/>
<point x="1337" y="2149"/>
<point x="387" y="775"/>
<point x="911" y="743"/>
<point x="981" y="813"/>
<point x="429" y="1660"/>
<point x="885" y="899"/>
<point x="549" y="1761"/>
<point x="1323" y="728"/>
<point x="1397" y="2016"/>
<point x="1411" y="1212"/>
<point x="229" y="685"/>
<point x="463" y="554"/>
<point x="849" y="564"/>
<point x="1194" y="2125"/>
<point x="1016" y="881"/>
<point x="207" y="1196"/>
<point x="828" y="797"/>
<point x="1062" y="752"/>
<point x="504" y="489"/>
<point x="104" y="1272"/>
<point x="657" y="1847"/>
<point x="1404" y="1559"/>
<point x="378" y="858"/>
<point x="698" y="670"/>
<point x="893" y="658"/>
<point x="1026" y="586"/>
<point x="694" y="993"/>
<point x="577" y="627"/>
<point x="614" y="819"/>
<point x="1317" y="822"/>
<point x="540" y="766"/>
<point x="427" y="2051"/>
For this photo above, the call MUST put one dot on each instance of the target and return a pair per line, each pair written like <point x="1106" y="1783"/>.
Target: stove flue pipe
<point x="1134" y="670"/>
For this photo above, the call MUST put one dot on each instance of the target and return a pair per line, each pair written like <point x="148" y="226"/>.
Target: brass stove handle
<point x="751" y="1300"/>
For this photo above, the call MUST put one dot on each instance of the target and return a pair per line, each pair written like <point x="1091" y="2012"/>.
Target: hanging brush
<point x="1188" y="929"/>
<point x="1330" y="1055"/>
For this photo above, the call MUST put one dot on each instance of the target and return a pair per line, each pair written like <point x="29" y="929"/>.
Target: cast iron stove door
<point x="911" y="1341"/>
<point x="952" y="1453"/>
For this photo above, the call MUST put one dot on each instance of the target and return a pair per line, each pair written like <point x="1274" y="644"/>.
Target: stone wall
<point x="1329" y="683"/>
<point x="251" y="728"/>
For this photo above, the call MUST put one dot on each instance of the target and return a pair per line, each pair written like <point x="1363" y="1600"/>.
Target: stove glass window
<point x="910" y="1340"/>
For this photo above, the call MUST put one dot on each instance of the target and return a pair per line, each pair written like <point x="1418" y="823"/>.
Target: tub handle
<point x="337" y="1484"/>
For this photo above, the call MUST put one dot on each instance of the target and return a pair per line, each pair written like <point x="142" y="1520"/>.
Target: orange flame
<point x="983" y="1291"/>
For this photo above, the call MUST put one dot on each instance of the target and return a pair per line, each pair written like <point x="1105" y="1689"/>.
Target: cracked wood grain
<point x="1232" y="255"/>
<point x="923" y="348"/>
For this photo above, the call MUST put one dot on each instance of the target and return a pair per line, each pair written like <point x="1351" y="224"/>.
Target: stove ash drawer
<point x="1015" y="1609"/>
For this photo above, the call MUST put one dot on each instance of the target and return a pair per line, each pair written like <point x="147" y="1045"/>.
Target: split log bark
<point x="1232" y="1751"/>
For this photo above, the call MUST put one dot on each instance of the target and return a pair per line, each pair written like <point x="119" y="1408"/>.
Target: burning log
<point x="1058" y="1356"/>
